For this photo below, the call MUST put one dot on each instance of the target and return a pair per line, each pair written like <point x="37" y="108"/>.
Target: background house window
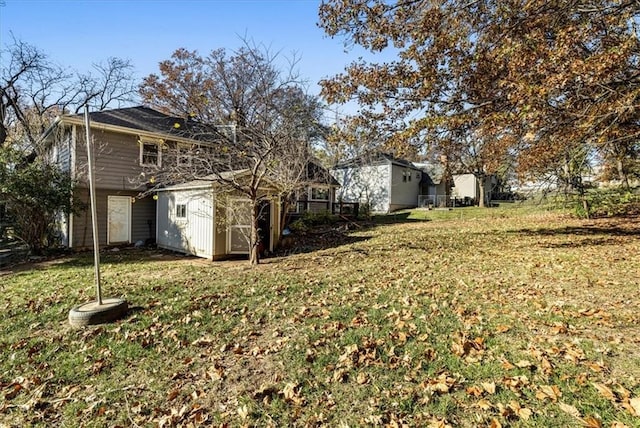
<point x="150" y="154"/>
<point x="181" y="211"/>
<point x="319" y="194"/>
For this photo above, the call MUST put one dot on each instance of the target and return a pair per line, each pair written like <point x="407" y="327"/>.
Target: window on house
<point x="150" y="153"/>
<point x="404" y="176"/>
<point x="294" y="201"/>
<point x="185" y="154"/>
<point x="181" y="211"/>
<point x="319" y="194"/>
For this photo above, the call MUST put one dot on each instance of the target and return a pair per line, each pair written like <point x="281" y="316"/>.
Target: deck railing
<point x="346" y="209"/>
<point x="443" y="201"/>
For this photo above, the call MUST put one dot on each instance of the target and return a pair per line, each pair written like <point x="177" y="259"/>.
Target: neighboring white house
<point x="380" y="181"/>
<point x="435" y="187"/>
<point x="196" y="218"/>
<point x="387" y="184"/>
<point x="467" y="187"/>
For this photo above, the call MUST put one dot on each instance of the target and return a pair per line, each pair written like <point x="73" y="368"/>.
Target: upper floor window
<point x="406" y="176"/>
<point x="319" y="194"/>
<point x="185" y="154"/>
<point x="150" y="152"/>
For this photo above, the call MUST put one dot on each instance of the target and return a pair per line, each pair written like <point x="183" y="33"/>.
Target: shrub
<point x="610" y="202"/>
<point x="308" y="220"/>
<point x="34" y="194"/>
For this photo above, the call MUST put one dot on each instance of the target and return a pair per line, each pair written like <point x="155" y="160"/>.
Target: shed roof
<point x="316" y="174"/>
<point x="207" y="181"/>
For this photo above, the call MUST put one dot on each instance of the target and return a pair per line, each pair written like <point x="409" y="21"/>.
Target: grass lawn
<point x="495" y="317"/>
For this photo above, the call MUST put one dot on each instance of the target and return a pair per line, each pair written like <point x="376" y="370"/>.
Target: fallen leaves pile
<point x="501" y="320"/>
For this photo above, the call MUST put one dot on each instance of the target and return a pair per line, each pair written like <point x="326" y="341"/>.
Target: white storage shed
<point x="196" y="218"/>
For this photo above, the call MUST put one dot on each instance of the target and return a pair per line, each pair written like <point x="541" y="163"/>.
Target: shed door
<point x="118" y="219"/>
<point x="197" y="226"/>
<point x="239" y="230"/>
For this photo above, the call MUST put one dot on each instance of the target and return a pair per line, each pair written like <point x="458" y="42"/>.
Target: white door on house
<point x="239" y="226"/>
<point x="118" y="219"/>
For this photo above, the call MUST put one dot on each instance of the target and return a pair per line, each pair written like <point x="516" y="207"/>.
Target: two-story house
<point x="126" y="142"/>
<point x="386" y="183"/>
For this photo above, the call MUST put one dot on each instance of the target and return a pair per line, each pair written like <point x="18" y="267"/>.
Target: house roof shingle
<point x="146" y="119"/>
<point x="141" y="118"/>
<point x="434" y="172"/>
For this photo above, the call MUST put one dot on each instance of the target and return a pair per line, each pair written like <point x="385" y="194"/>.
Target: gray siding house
<point x="126" y="141"/>
<point x="186" y="217"/>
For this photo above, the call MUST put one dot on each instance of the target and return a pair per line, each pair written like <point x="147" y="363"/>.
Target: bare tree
<point x="252" y="109"/>
<point x="34" y="90"/>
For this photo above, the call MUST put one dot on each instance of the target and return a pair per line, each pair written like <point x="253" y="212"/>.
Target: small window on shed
<point x="181" y="211"/>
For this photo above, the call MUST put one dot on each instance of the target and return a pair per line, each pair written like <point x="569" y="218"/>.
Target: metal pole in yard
<point x="94" y="216"/>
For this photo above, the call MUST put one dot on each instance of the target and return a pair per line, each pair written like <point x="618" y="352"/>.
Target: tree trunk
<point x="254" y="239"/>
<point x="622" y="176"/>
<point x="585" y="207"/>
<point x="481" y="191"/>
<point x="284" y="213"/>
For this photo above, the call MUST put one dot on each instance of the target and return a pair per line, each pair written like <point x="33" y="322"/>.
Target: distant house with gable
<point x="379" y="181"/>
<point x="386" y="183"/>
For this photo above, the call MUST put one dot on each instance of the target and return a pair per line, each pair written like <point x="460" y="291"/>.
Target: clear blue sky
<point x="77" y="33"/>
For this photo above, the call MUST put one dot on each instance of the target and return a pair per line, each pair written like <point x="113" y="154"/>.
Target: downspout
<point x="72" y="171"/>
<point x="214" y="230"/>
<point x="390" y="186"/>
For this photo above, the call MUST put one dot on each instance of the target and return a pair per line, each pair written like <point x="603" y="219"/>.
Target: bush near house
<point x="33" y="195"/>
<point x="309" y="220"/>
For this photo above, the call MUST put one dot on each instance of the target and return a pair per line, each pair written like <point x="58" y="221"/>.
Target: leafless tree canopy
<point x="251" y="111"/>
<point x="34" y="90"/>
